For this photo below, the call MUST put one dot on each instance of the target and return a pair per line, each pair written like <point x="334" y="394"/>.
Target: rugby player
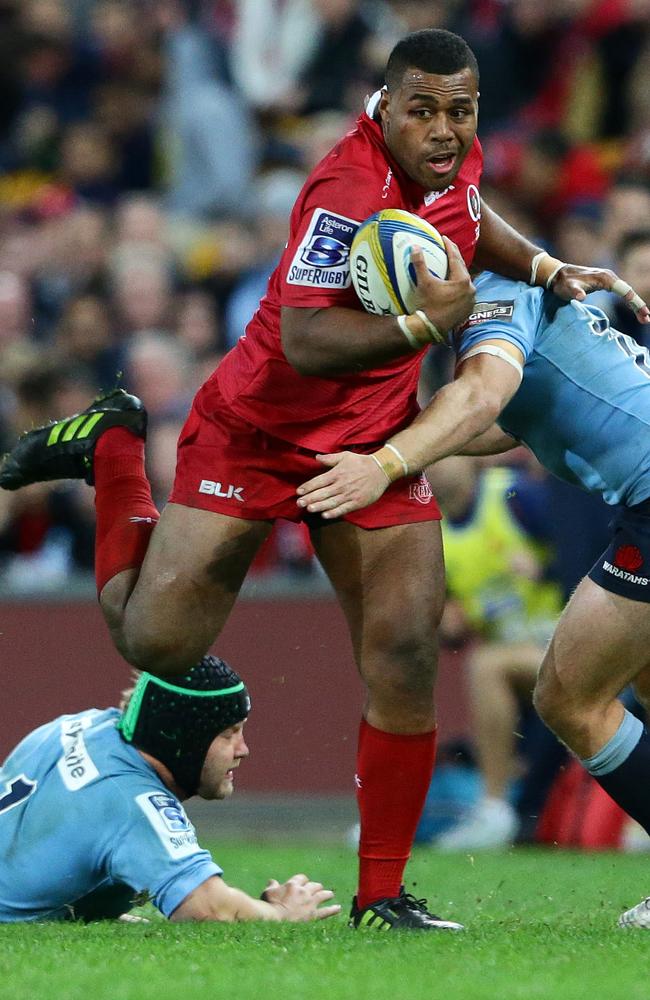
<point x="91" y="817"/>
<point x="556" y="377"/>
<point x="315" y="373"/>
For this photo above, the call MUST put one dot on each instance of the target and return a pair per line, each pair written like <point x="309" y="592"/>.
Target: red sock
<point x="393" y="777"/>
<point x="122" y="493"/>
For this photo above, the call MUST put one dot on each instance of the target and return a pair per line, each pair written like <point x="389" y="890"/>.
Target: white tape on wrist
<point x="381" y="467"/>
<point x="413" y="340"/>
<point x="553" y="275"/>
<point x="399" y="456"/>
<point x="497" y="352"/>
<point x="436" y="336"/>
<point x="534" y="264"/>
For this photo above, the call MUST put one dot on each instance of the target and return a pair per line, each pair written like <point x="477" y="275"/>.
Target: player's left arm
<point x="505" y="251"/>
<point x="487" y="376"/>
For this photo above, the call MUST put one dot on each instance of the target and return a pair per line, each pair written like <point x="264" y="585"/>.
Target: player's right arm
<point x="493" y="441"/>
<point x="296" y="900"/>
<point x="337" y="339"/>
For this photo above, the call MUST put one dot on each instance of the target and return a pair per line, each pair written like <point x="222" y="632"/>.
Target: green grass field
<point x="540" y="924"/>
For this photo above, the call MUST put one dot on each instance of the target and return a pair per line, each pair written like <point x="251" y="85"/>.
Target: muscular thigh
<point x="601" y="643"/>
<point x="390" y="584"/>
<point x="195" y="565"/>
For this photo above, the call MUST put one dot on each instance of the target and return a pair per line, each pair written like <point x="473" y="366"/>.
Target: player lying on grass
<point x="91" y="814"/>
<point x="556" y="377"/>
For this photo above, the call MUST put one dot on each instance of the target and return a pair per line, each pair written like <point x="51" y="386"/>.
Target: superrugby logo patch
<point x="502" y="309"/>
<point x="628" y="557"/>
<point x="169" y="820"/>
<point x="322" y="258"/>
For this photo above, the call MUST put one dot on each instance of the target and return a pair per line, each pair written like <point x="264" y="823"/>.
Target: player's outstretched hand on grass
<point x="446" y="303"/>
<point x="352" y="481"/>
<point x="575" y="282"/>
<point x="298" y="899"/>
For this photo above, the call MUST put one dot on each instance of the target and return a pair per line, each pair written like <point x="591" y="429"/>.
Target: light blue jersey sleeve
<point x="157" y="850"/>
<point x="504" y="310"/>
<point x="583" y="406"/>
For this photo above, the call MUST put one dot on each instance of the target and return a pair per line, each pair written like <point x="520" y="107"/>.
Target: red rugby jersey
<point x="357" y="178"/>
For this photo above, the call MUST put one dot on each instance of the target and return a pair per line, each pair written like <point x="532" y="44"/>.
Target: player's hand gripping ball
<point x="380" y="260"/>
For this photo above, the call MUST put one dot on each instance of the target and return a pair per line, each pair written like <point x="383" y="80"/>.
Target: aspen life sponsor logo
<point x="322" y="258"/>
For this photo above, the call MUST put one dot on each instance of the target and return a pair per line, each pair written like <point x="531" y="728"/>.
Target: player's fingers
<point x="317" y="483"/>
<point x="457" y="269"/>
<point x="634" y="301"/>
<point x="344" y="508"/>
<point x="316" y="887"/>
<point x="327" y="911"/>
<point x="325" y="503"/>
<point x="417" y="260"/>
<point x="272" y="883"/>
<point x="322" y="895"/>
<point x="300" y="879"/>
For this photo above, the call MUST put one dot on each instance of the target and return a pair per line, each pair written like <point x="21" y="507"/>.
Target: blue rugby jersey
<point x="86" y="823"/>
<point x="583" y="406"/>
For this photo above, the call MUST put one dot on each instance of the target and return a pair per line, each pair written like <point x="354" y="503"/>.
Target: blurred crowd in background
<point x="150" y="153"/>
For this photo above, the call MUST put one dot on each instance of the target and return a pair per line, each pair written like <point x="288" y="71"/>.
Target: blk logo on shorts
<point x="421" y="491"/>
<point x="628" y="557"/>
<point x="229" y="492"/>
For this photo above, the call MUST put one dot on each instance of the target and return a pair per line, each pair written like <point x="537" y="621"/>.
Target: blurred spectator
<point x="159" y="370"/>
<point x="273" y="198"/>
<point x="207" y="174"/>
<point x="273" y="42"/>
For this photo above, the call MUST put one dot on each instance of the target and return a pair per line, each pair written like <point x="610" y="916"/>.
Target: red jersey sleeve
<point x="315" y="267"/>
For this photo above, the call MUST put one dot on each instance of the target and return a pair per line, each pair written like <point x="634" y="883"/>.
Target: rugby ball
<point x="380" y="260"/>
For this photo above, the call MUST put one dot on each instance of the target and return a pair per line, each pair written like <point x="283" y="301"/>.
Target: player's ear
<point x="384" y="105"/>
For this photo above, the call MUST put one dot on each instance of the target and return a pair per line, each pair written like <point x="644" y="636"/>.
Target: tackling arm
<point x="493" y="441"/>
<point x="456" y="416"/>
<point x="505" y="251"/>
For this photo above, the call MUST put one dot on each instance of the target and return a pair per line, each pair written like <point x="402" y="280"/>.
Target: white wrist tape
<point x="398" y="454"/>
<point x="553" y="275"/>
<point x="413" y="340"/>
<point x="534" y="264"/>
<point x="497" y="352"/>
<point x="379" y="463"/>
<point x="436" y="336"/>
<point x="622" y="288"/>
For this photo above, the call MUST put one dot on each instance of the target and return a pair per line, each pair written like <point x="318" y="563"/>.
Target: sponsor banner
<point x="322" y="259"/>
<point x="502" y="309"/>
<point x="76" y="766"/>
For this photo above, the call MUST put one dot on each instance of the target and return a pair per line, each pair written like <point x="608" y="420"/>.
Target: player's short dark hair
<point x="631" y="240"/>
<point x="432" y="50"/>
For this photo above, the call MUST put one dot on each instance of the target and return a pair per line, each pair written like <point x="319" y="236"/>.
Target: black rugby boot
<point x="403" y="912"/>
<point x="64" y="449"/>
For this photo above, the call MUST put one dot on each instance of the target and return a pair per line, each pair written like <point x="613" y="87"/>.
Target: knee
<point x="562" y="710"/>
<point x="162" y="654"/>
<point x="400" y="662"/>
